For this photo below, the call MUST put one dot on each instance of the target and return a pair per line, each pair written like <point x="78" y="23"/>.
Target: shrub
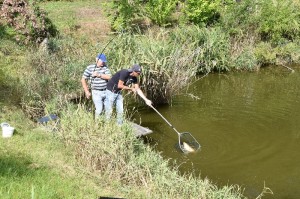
<point x="171" y="59"/>
<point x="239" y="18"/>
<point x="280" y="55"/>
<point x="279" y="21"/>
<point x="267" y="28"/>
<point x="124" y="14"/>
<point x="273" y="21"/>
<point x="53" y="74"/>
<point x="167" y="65"/>
<point x="121" y="13"/>
<point x="29" y="22"/>
<point x="201" y="12"/>
<point x="159" y="11"/>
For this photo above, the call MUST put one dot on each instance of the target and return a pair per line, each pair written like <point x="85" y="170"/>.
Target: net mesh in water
<point x="188" y="143"/>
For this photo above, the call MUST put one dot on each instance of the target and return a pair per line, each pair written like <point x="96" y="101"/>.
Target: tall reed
<point x="171" y="59"/>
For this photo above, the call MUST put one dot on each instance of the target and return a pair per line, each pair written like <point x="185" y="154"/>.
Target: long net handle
<point x="166" y="121"/>
<point x="179" y="134"/>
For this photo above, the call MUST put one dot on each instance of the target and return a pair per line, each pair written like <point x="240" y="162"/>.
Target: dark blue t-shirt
<point x="123" y="75"/>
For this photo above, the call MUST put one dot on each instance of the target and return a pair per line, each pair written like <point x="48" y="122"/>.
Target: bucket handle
<point x="4" y="124"/>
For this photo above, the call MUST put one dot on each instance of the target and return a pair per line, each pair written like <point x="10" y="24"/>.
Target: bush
<point x="159" y="11"/>
<point x="167" y="65"/>
<point x="29" y="22"/>
<point x="121" y="13"/>
<point x="53" y="74"/>
<point x="280" y="55"/>
<point x="273" y="21"/>
<point x="270" y="29"/>
<point x="279" y="21"/>
<point x="170" y="60"/>
<point x="125" y="14"/>
<point x="201" y="12"/>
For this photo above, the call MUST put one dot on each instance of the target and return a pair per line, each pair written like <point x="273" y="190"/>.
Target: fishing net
<point x="188" y="143"/>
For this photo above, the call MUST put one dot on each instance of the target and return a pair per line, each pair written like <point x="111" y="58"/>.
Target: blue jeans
<point x="110" y="100"/>
<point x="98" y="99"/>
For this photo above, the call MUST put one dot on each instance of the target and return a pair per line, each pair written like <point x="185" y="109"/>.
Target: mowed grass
<point x="35" y="164"/>
<point x="21" y="177"/>
<point x="82" y="19"/>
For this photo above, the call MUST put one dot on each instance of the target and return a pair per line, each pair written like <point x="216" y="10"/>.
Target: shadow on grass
<point x="16" y="166"/>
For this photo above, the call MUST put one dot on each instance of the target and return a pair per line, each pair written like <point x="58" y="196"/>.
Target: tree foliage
<point x="277" y="21"/>
<point x="159" y="11"/>
<point x="280" y="21"/>
<point x="121" y="13"/>
<point x="201" y="11"/>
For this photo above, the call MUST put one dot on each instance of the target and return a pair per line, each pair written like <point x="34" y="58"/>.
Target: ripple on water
<point x="248" y="128"/>
<point x="235" y="134"/>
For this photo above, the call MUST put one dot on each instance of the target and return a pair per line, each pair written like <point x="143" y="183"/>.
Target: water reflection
<point x="248" y="126"/>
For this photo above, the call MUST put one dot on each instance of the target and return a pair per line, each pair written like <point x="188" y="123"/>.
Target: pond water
<point x="248" y="126"/>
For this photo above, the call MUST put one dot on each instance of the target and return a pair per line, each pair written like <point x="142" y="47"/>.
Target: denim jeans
<point x="110" y="100"/>
<point x="98" y="99"/>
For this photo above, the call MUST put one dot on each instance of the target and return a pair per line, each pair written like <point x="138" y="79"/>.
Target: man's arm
<point x="105" y="76"/>
<point x="123" y="87"/>
<point x="85" y="88"/>
<point x="102" y="76"/>
<point x="141" y="94"/>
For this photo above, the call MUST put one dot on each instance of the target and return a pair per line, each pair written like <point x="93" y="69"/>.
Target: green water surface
<point x="248" y="126"/>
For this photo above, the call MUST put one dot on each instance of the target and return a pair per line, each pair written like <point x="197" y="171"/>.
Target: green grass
<point x="30" y="167"/>
<point x="113" y="152"/>
<point x="81" y="19"/>
<point x="22" y="177"/>
<point x="35" y="164"/>
<point x="63" y="13"/>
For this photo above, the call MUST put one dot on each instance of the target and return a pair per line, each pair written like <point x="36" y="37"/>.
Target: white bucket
<point x="7" y="130"/>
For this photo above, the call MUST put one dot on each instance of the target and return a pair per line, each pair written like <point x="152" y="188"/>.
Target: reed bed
<point x="171" y="59"/>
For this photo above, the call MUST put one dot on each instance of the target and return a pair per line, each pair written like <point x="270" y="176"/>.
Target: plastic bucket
<point x="7" y="130"/>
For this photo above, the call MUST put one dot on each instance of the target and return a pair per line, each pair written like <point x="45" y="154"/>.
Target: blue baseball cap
<point x="102" y="57"/>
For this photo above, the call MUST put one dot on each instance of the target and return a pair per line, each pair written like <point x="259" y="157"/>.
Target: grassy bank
<point x="88" y="160"/>
<point x="34" y="164"/>
<point x="115" y="152"/>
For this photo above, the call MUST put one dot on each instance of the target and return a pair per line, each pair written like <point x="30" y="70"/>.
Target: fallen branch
<point x="287" y="68"/>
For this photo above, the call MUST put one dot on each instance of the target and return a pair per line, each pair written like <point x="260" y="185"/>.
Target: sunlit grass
<point x="21" y="177"/>
<point x="35" y="164"/>
<point x="63" y="13"/>
<point x="83" y="19"/>
<point x="114" y="152"/>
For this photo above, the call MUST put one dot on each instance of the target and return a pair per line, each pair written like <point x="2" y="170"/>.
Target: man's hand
<point x="148" y="102"/>
<point x="141" y="94"/>
<point x="87" y="94"/>
<point x="133" y="90"/>
<point x="95" y="74"/>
